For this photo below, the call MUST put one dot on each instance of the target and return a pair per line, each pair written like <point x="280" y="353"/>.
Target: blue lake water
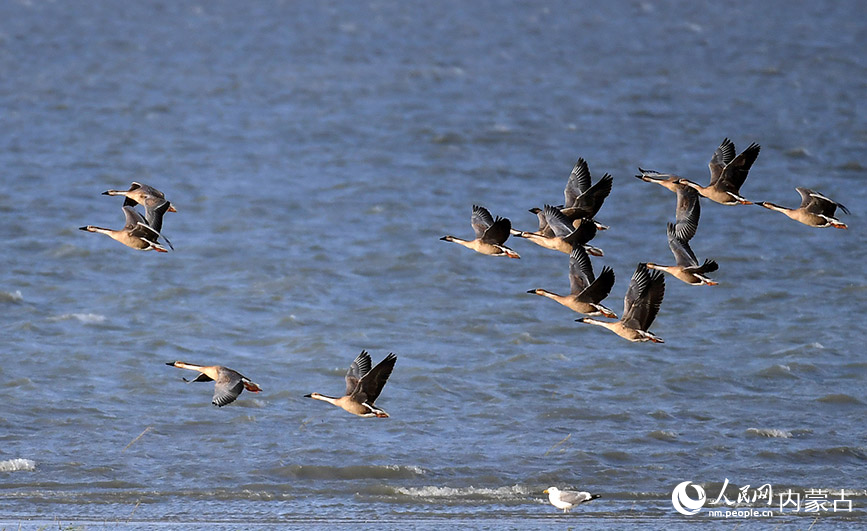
<point x="315" y="152"/>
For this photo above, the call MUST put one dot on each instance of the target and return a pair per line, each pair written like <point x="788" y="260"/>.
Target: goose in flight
<point x="586" y="291"/>
<point x="228" y="383"/>
<point x="687" y="269"/>
<point x="151" y="199"/>
<point x="565" y="236"/>
<point x="816" y="210"/>
<point x="583" y="200"/>
<point x="490" y="234"/>
<point x="640" y="306"/>
<point x="363" y="386"/>
<point x="136" y="232"/>
<point x="727" y="174"/>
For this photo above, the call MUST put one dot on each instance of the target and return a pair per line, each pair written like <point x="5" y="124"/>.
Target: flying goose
<point x="583" y="200"/>
<point x="586" y="292"/>
<point x="727" y="174"/>
<point x="363" y="386"/>
<point x="490" y="234"/>
<point x="640" y="306"/>
<point x="567" y="499"/>
<point x="136" y="233"/>
<point x="151" y="199"/>
<point x="687" y="269"/>
<point x="816" y="210"/>
<point x="566" y="236"/>
<point x="228" y="384"/>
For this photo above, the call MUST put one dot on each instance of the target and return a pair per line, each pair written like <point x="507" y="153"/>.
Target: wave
<point x="15" y="465"/>
<point x="351" y="472"/>
<point x="770" y="432"/>
<point x="465" y="493"/>
<point x="86" y="318"/>
<point x="11" y="296"/>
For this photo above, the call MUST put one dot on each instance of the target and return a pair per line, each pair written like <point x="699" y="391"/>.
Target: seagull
<point x="566" y="236"/>
<point x="363" y="386"/>
<point x="490" y="234"/>
<point x="151" y="199"/>
<point x="640" y="306"/>
<point x="727" y="174"/>
<point x="586" y="291"/>
<point x="567" y="499"/>
<point x="816" y="210"/>
<point x="687" y="269"/>
<point x="136" y="232"/>
<point x="228" y="383"/>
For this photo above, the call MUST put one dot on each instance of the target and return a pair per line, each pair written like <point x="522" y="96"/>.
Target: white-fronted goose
<point x="586" y="292"/>
<point x="727" y="174"/>
<point x="136" y="233"/>
<point x="687" y="215"/>
<point x="816" y="210"/>
<point x="228" y="383"/>
<point x="363" y="386"/>
<point x="490" y="234"/>
<point x="567" y="499"/>
<point x="566" y="236"/>
<point x="640" y="306"/>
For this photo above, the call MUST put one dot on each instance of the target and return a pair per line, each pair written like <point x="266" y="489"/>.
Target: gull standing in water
<point x="490" y="234"/>
<point x="687" y="269"/>
<point x="567" y="499"/>
<point x="640" y="306"/>
<point x="727" y="174"/>
<point x="228" y="383"/>
<point x="816" y="210"/>
<point x="586" y="291"/>
<point x="136" y="232"/>
<point x="363" y="386"/>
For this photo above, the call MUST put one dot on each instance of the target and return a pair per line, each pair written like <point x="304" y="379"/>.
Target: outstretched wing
<point x="359" y="367"/>
<point x="720" y="159"/>
<point x="643" y="298"/>
<point x="599" y="288"/>
<point x="227" y="387"/>
<point x="578" y="183"/>
<point x="560" y="224"/>
<point x="687" y="213"/>
<point x="481" y="220"/>
<point x="589" y="203"/>
<point x="580" y="270"/>
<point x="372" y="383"/>
<point x="680" y="248"/>
<point x="498" y="232"/>
<point x="736" y="171"/>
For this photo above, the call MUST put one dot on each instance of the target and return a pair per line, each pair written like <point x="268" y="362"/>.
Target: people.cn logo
<point x="683" y="503"/>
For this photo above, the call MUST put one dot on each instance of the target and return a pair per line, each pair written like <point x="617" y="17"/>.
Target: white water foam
<point x="14" y="465"/>
<point x="86" y="318"/>
<point x="11" y="296"/>
<point x="770" y="432"/>
<point x="465" y="492"/>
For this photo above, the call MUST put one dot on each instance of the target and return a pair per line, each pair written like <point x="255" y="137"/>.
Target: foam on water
<point x="16" y="465"/>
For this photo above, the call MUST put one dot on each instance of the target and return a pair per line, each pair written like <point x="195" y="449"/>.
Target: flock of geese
<point x="567" y="228"/>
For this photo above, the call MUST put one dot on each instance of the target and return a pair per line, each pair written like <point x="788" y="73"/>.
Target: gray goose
<point x="491" y="234"/>
<point x="136" y="232"/>
<point x="586" y="291"/>
<point x="228" y="383"/>
<point x="363" y="386"/>
<point x="816" y="210"/>
<point x="727" y="174"/>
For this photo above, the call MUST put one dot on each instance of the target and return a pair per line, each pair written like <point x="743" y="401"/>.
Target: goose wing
<point x="599" y="288"/>
<point x="481" y="220"/>
<point x="578" y="183"/>
<point x="680" y="248"/>
<point x="736" y="171"/>
<point x="559" y="223"/>
<point x="588" y="204"/>
<point x="643" y="298"/>
<point x="227" y="387"/>
<point x="723" y="155"/>
<point x="817" y="203"/>
<point x="580" y="270"/>
<point x="498" y="232"/>
<point x="371" y="384"/>
<point x="687" y="212"/>
<point x="359" y="367"/>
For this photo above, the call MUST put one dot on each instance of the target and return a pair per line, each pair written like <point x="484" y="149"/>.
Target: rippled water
<point x="315" y="153"/>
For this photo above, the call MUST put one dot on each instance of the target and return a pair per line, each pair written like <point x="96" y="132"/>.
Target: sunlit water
<point x="315" y="153"/>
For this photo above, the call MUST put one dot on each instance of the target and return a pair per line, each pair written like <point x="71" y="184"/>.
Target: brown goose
<point x="228" y="384"/>
<point x="151" y="199"/>
<point x="583" y="200"/>
<point x="816" y="210"/>
<point x="490" y="234"/>
<point x="363" y="386"/>
<point x="687" y="269"/>
<point x="136" y="233"/>
<point x="727" y="174"/>
<point x="667" y="180"/>
<point x="565" y="235"/>
<point x="586" y="292"/>
<point x="640" y="306"/>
